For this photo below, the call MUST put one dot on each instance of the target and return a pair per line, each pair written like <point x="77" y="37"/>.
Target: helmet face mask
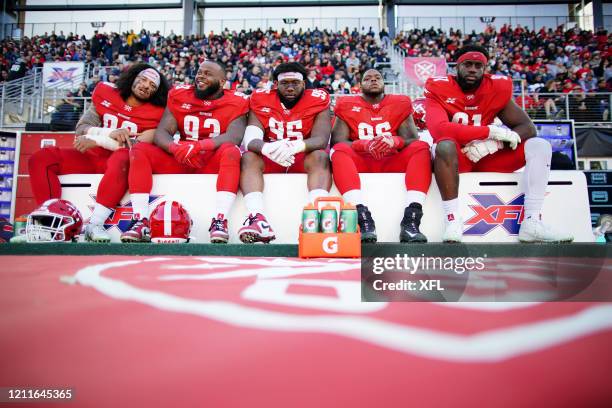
<point x="170" y="223"/>
<point x="55" y="220"/>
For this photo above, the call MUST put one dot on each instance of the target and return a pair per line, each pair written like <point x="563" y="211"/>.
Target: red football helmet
<point x="419" y="113"/>
<point x="56" y="220"/>
<point x="170" y="223"/>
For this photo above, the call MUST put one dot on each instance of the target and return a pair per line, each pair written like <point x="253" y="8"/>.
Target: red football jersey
<point x="367" y="121"/>
<point x="295" y="123"/>
<point x="116" y="113"/>
<point x="475" y="108"/>
<point x="199" y="119"/>
<point x="419" y="113"/>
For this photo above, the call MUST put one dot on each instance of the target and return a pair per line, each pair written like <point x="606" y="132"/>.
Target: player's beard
<point x="468" y="87"/>
<point x="290" y="103"/>
<point x="212" y="89"/>
<point x="373" y="94"/>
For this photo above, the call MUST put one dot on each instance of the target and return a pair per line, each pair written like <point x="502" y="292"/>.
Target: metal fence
<point x="202" y="26"/>
<point x="583" y="108"/>
<point x="469" y="24"/>
<point x="331" y="24"/>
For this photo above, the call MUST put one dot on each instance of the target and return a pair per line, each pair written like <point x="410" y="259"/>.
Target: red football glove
<point x="376" y="148"/>
<point x="360" y="145"/>
<point x="207" y="144"/>
<point x="187" y="153"/>
<point x="379" y="147"/>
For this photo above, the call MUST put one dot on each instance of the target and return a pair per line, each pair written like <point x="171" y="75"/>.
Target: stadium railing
<point x="468" y="24"/>
<point x="592" y="108"/>
<point x="204" y="26"/>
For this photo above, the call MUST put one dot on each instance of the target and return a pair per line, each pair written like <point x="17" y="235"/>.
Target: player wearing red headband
<point x="120" y="114"/>
<point x="460" y="114"/>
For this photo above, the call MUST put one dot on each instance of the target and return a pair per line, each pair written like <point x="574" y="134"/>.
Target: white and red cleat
<point x="218" y="230"/>
<point x="256" y="229"/>
<point x="139" y="231"/>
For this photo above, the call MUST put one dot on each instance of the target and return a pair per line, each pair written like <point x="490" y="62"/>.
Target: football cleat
<point x="366" y="224"/>
<point x="534" y="230"/>
<point x="409" y="227"/>
<point x="453" y="232"/>
<point x="218" y="230"/>
<point x="96" y="233"/>
<point x="256" y="229"/>
<point x="138" y="231"/>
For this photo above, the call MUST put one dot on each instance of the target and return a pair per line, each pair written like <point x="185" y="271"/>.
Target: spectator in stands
<point x="602" y="100"/>
<point x="18" y="69"/>
<point x="588" y="83"/>
<point x="384" y="38"/>
<point x="66" y="114"/>
<point x="340" y="85"/>
<point x="352" y="61"/>
<point x="253" y="77"/>
<point x="552" y="104"/>
<point x="311" y="79"/>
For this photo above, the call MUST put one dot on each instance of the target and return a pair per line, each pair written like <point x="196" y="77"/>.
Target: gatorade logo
<point x="330" y="245"/>
<point x="327" y="224"/>
<point x="310" y="224"/>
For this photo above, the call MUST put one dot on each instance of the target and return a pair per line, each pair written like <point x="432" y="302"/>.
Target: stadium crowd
<point x="336" y="60"/>
<point x="543" y="61"/>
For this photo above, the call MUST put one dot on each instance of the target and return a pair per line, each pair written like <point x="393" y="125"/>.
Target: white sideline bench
<point x="566" y="205"/>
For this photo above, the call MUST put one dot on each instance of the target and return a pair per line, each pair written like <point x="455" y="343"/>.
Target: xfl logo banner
<point x="121" y="217"/>
<point x="491" y="212"/>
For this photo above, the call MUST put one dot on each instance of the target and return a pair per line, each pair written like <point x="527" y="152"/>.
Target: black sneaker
<point x="366" y="224"/>
<point x="409" y="227"/>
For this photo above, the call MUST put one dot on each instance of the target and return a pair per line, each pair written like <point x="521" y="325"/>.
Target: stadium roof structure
<point x="281" y="3"/>
<point x="92" y="5"/>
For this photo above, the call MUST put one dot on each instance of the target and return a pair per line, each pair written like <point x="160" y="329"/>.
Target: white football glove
<point x="504" y="135"/>
<point x="297" y="146"/>
<point x="280" y="152"/>
<point x="478" y="149"/>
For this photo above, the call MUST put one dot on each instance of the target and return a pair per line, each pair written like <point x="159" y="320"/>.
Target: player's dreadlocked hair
<point x="126" y="79"/>
<point x="289" y="67"/>
<point x="470" y="48"/>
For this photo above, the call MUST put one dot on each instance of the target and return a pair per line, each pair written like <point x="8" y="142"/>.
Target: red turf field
<point x="262" y="332"/>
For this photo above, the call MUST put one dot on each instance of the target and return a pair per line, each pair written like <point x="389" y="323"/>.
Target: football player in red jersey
<point x="211" y="123"/>
<point x="460" y="113"/>
<point x="375" y="133"/>
<point x="288" y="130"/>
<point x="130" y="109"/>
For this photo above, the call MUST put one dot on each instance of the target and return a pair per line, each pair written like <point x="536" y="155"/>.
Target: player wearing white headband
<point x="288" y="132"/>
<point x="120" y="115"/>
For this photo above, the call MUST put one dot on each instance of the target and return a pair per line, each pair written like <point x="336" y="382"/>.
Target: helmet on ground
<point x="56" y="220"/>
<point x="170" y="223"/>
